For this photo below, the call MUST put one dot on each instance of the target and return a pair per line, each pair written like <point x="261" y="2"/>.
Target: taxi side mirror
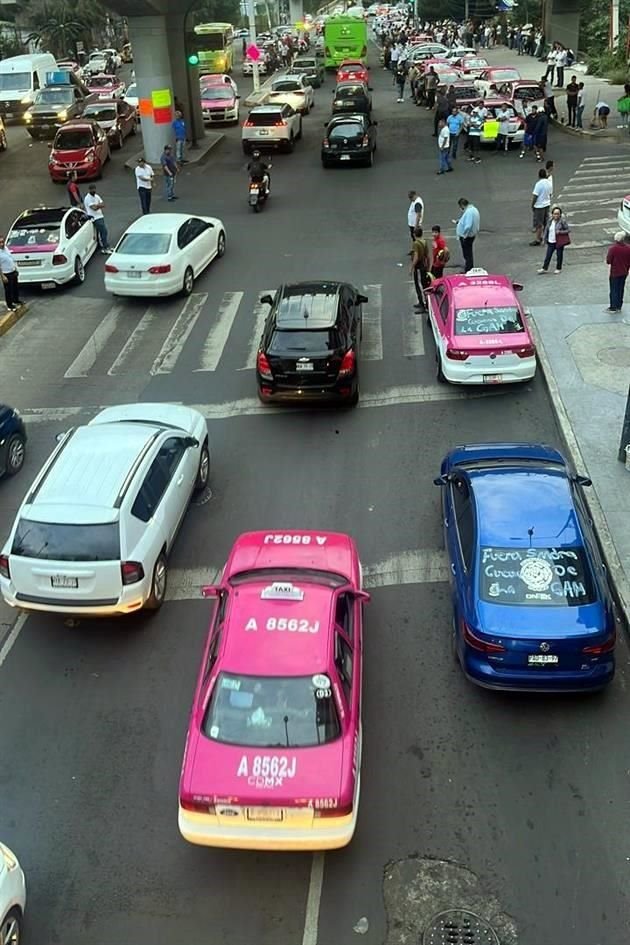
<point x="517" y="286"/>
<point x="362" y="300"/>
<point x="266" y="299"/>
<point x="211" y="590"/>
<point x="363" y="596"/>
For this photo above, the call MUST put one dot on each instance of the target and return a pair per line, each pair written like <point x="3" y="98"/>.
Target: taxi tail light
<point x="131" y="572"/>
<point x="482" y="646"/>
<point x="348" y="364"/>
<point x="199" y="807"/>
<point x="59" y="259"/>
<point x="160" y="270"/>
<point x="607" y="646"/>
<point x="5" y="570"/>
<point x="456" y="354"/>
<point x="341" y="811"/>
<point x="527" y="351"/>
<point x="263" y="367"/>
<point x="248" y="124"/>
<point x="110" y="268"/>
<point x="280" y="124"/>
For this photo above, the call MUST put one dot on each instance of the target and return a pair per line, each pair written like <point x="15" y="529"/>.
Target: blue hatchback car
<point x="12" y="441"/>
<point x="532" y="609"/>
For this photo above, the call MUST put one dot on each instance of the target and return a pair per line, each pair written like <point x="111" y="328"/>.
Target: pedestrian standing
<point x="618" y="258"/>
<point x="561" y="61"/>
<point x="144" y="183"/>
<point x="556" y="237"/>
<point x="444" y="148"/>
<point x="573" y="91"/>
<point x="551" y="63"/>
<point x="393" y="59"/>
<point x="441" y="254"/>
<point x="503" y="138"/>
<point x="415" y="212"/>
<point x="94" y="208"/>
<point x="431" y="84"/>
<point x="10" y="278"/>
<point x="455" y="123"/>
<point x="580" y="105"/>
<point x="540" y="135"/>
<point x="401" y="78"/>
<point x="441" y="111"/>
<point x="474" y="134"/>
<point x="549" y="103"/>
<point x="541" y="201"/>
<point x="549" y="165"/>
<point x="179" y="129"/>
<point x="531" y="120"/>
<point x="74" y="194"/>
<point x="169" y="169"/>
<point x="420" y="267"/>
<point x="467" y="229"/>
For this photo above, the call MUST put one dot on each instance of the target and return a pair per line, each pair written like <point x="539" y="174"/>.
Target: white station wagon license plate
<point x="492" y="378"/>
<point x="29" y="262"/>
<point x="62" y="580"/>
<point x="275" y="814"/>
<point x="541" y="659"/>
<point x="303" y="366"/>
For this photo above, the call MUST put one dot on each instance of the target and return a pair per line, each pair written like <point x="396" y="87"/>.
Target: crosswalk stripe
<point x="135" y="339"/>
<point x="604" y="158"/>
<point x="588" y="205"/>
<point x="220" y="331"/>
<point x="590" y="188"/>
<point x="260" y="316"/>
<point x="372" y="342"/>
<point x="86" y="358"/>
<point x="178" y="335"/>
<point x="590" y="244"/>
<point x="603" y="222"/>
<point x="413" y="335"/>
<point x="603" y="172"/>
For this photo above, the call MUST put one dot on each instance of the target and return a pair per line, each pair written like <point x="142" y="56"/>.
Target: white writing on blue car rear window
<point x="556" y="576"/>
<point x="489" y="320"/>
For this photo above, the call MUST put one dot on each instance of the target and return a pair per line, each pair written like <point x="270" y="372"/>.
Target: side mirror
<point x="191" y="443"/>
<point x="441" y="480"/>
<point x="363" y="596"/>
<point x="60" y="436"/>
<point x="583" y="480"/>
<point x="517" y="286"/>
<point x="266" y="299"/>
<point x="375" y="123"/>
<point x="211" y="590"/>
<point x="370" y="89"/>
<point x="362" y="299"/>
<point x="238" y="96"/>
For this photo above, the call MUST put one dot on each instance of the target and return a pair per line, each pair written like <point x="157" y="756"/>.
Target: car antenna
<point x="286" y="728"/>
<point x="530" y="532"/>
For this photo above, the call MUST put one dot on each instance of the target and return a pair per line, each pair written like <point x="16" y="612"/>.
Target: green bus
<point x="345" y="37"/>
<point x="214" y="46"/>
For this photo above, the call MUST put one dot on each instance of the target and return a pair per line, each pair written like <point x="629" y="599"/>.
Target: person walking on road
<point x="556" y="236"/>
<point x="420" y="267"/>
<point x="431" y="84"/>
<point x="10" y="278"/>
<point x="94" y="209"/>
<point x="444" y="148"/>
<point x="455" y="123"/>
<point x="540" y="135"/>
<point x="541" y="201"/>
<point x="179" y="130"/>
<point x="530" y="131"/>
<point x="169" y="169"/>
<point x="618" y="258"/>
<point x="144" y="183"/>
<point x="415" y="212"/>
<point x="467" y="229"/>
<point x="72" y="188"/>
<point x="503" y="137"/>
<point x="401" y="78"/>
<point x="441" y="254"/>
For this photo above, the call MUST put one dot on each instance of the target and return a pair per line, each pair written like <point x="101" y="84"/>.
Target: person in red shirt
<point x="618" y="258"/>
<point x="440" y="253"/>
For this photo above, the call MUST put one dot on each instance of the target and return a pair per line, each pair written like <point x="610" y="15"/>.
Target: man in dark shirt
<point x="169" y="169"/>
<point x="531" y="120"/>
<point x="573" y="90"/>
<point x="618" y="258"/>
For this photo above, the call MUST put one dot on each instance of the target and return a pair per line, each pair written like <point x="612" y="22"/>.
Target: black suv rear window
<point x="315" y="342"/>
<point x="351" y="130"/>
<point x="55" y="542"/>
<point x="264" y="118"/>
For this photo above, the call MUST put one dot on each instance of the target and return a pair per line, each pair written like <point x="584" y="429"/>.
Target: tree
<point x="59" y="24"/>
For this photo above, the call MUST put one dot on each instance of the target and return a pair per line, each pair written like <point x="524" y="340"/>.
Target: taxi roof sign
<point x="282" y="590"/>
<point x="477" y="271"/>
<point x="59" y="77"/>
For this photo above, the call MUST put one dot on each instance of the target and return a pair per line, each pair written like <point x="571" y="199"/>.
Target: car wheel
<point x="3" y="141"/>
<point x="203" y="473"/>
<point x="189" y="281"/>
<point x="221" y="244"/>
<point x="11" y="928"/>
<point x="79" y="271"/>
<point x="15" y="460"/>
<point x="300" y="129"/>
<point x="354" y="399"/>
<point x="290" y="144"/>
<point x="326" y="164"/>
<point x="159" y="582"/>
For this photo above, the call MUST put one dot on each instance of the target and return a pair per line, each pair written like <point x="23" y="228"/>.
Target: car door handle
<point x="445" y="523"/>
<point x="453" y="568"/>
<point x="180" y="480"/>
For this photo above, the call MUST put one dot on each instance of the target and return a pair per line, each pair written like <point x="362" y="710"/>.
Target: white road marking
<point x="372" y="343"/>
<point x="86" y="358"/>
<point x="589" y="205"/>
<point x="11" y="639"/>
<point x="589" y="188"/>
<point x="260" y="316"/>
<point x="408" y="567"/>
<point x="178" y="335"/>
<point x="135" y="339"/>
<point x="313" y="900"/>
<point x="591" y="244"/>
<point x="605" y="222"/>
<point x="413" y="334"/>
<point x="220" y="331"/>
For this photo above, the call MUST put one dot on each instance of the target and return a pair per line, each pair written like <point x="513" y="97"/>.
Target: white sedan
<point x="51" y="246"/>
<point x="294" y="90"/>
<point x="623" y="215"/>
<point x="131" y="96"/>
<point x="12" y="898"/>
<point x="163" y="253"/>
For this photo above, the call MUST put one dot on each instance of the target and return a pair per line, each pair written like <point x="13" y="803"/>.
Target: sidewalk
<point x="584" y="355"/>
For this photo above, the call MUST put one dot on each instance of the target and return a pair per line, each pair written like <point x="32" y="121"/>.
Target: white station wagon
<point x="51" y="245"/>
<point x="95" y="529"/>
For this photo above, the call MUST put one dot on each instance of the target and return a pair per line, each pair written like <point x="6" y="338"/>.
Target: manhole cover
<point x="459" y="927"/>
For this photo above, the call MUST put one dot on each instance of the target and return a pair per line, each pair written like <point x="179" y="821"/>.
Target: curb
<point x="618" y="579"/>
<point x="194" y="156"/>
<point x="609" y="133"/>
<point x="9" y="320"/>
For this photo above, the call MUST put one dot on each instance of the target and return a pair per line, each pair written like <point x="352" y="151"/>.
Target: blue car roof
<point x="510" y="501"/>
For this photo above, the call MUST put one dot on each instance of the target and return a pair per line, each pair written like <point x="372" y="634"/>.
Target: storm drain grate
<point x="459" y="927"/>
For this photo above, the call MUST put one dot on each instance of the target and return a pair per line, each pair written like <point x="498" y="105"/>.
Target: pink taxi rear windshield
<point x="272" y="711"/>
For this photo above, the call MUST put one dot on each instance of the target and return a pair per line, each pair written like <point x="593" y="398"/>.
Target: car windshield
<point x="349" y="91"/>
<point x="292" y="342"/>
<point x="74" y="140"/>
<point x="286" y="86"/>
<point x="144" y="244"/>
<point x="131" y="91"/>
<point x="501" y="75"/>
<point x="55" y="97"/>
<point x="489" y="320"/>
<point x="351" y="130"/>
<point x="272" y="711"/>
<point x="15" y="81"/>
<point x="100" y="114"/>
<point x="558" y="577"/>
<point x="34" y="236"/>
<point x="101" y="82"/>
<point x="527" y="94"/>
<point x="54" y="541"/>
<point x="216" y="92"/>
<point x="305" y="64"/>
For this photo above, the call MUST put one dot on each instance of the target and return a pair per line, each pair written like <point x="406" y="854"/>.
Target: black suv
<point x="352" y="98"/>
<point x="349" y="138"/>
<point x="53" y="106"/>
<point x="309" y="345"/>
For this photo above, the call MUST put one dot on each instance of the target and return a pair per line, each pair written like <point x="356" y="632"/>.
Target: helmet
<point x="256" y="154"/>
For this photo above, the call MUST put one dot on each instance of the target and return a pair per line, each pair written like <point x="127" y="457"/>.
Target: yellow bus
<point x="214" y="47"/>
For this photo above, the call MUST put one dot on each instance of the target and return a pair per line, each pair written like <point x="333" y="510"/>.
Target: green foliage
<point x="57" y="25"/>
<point x="216" y="11"/>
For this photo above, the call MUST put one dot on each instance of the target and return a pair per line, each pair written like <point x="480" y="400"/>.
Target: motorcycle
<point x="258" y="194"/>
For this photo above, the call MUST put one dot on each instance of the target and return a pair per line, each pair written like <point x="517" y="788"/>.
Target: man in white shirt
<point x="444" y="147"/>
<point x="541" y="201"/>
<point x="94" y="209"/>
<point x="9" y="274"/>
<point x="415" y="212"/>
<point x="503" y="116"/>
<point x="561" y="61"/>
<point x="144" y="183"/>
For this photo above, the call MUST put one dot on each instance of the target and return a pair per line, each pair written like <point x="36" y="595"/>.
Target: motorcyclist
<point x="259" y="171"/>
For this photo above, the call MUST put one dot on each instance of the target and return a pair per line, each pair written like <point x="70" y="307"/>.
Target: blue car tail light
<point x="482" y="646"/>
<point x="606" y="646"/>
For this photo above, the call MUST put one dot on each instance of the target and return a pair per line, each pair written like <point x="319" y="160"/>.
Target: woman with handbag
<point x="555" y="237"/>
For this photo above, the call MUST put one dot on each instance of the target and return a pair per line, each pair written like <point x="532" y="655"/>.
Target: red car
<point x="353" y="70"/>
<point x="80" y="146"/>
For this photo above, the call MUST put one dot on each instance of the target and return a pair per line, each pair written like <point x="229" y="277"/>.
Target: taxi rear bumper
<point x="468" y="372"/>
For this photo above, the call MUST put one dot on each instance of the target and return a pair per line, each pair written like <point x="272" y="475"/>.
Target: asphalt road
<point x="528" y="795"/>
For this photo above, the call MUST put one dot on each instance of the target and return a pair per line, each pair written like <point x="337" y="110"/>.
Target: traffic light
<point x="193" y="59"/>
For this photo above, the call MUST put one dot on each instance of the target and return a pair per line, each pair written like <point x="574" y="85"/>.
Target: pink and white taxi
<point x="106" y="86"/>
<point x="480" y="330"/>
<point x="273" y="752"/>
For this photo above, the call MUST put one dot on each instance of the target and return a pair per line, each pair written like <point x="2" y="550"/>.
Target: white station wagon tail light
<point x="5" y="571"/>
<point x="131" y="572"/>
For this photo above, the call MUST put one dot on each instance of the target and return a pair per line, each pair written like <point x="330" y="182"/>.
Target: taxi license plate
<point x="62" y="580"/>
<point x="263" y="131"/>
<point x="345" y="157"/>
<point x="134" y="275"/>
<point x="275" y="814"/>
<point x="492" y="378"/>
<point x="303" y="367"/>
<point x="541" y="659"/>
<point x="29" y="262"/>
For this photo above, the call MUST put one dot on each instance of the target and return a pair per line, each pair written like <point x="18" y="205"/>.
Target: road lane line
<point x="313" y="900"/>
<point x="260" y="313"/>
<point x="178" y="335"/>
<point x="135" y="339"/>
<point x="372" y="343"/>
<point x="421" y="566"/>
<point x="413" y="333"/>
<point x="86" y="358"/>
<point x="11" y="640"/>
<point x="220" y="331"/>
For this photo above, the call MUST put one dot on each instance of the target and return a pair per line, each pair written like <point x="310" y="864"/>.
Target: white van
<point x="20" y="78"/>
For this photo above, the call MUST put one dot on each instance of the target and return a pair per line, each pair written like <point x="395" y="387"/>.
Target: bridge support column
<point x="561" y="23"/>
<point x="296" y="11"/>
<point x="152" y="67"/>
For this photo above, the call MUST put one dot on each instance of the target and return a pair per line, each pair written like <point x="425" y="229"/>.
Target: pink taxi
<point x="480" y="330"/>
<point x="106" y="86"/>
<point x="273" y="752"/>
